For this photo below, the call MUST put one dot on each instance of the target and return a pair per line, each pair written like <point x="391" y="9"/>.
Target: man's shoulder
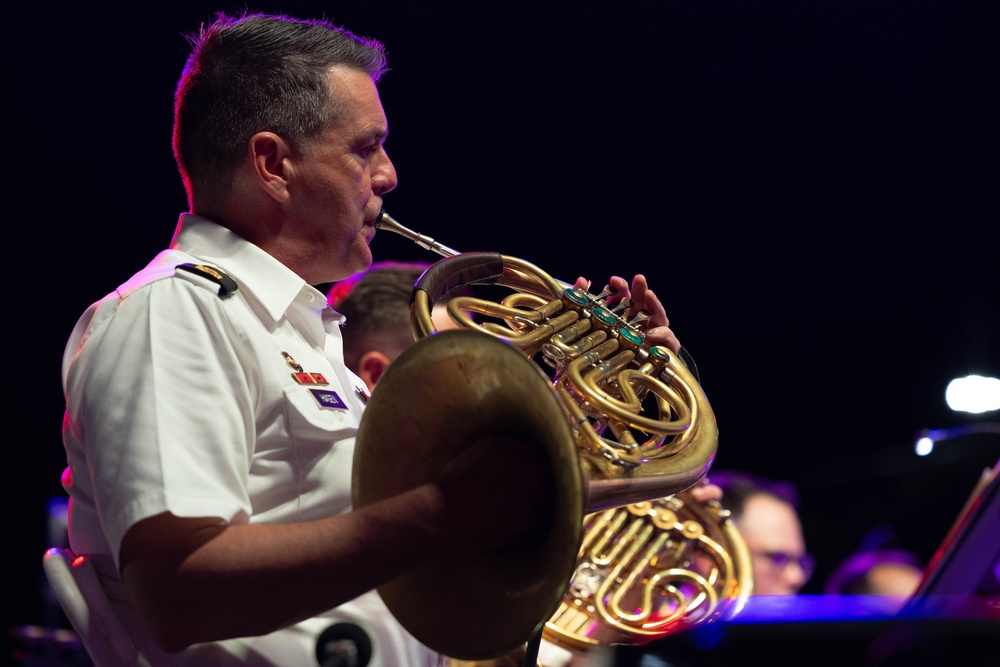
<point x="173" y="264"/>
<point x="172" y="284"/>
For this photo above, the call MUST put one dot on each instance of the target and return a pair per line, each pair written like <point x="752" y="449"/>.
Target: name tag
<point x="327" y="398"/>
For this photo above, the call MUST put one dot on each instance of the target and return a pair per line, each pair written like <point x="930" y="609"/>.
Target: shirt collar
<point x="270" y="282"/>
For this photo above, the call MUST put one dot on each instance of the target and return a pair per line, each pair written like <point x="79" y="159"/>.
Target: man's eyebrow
<point x="381" y="133"/>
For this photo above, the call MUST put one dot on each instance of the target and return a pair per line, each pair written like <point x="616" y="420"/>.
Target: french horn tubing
<point x="626" y="428"/>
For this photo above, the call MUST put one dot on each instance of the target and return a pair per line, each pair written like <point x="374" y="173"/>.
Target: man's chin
<point x="362" y="260"/>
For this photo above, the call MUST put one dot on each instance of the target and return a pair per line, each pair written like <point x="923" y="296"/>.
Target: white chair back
<point x="76" y="586"/>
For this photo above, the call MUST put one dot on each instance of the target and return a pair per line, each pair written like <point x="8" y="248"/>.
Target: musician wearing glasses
<point x="766" y="514"/>
<point x="210" y="417"/>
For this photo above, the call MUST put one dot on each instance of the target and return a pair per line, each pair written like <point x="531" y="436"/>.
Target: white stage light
<point x="973" y="393"/>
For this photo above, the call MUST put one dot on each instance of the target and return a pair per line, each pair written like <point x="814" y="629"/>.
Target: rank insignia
<point x="328" y="399"/>
<point x="310" y="378"/>
<point x="226" y="284"/>
<point x="300" y="375"/>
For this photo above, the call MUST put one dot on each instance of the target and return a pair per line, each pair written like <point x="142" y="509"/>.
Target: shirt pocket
<point x="318" y="416"/>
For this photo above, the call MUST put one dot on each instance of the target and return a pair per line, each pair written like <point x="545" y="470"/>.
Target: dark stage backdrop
<point x="810" y="186"/>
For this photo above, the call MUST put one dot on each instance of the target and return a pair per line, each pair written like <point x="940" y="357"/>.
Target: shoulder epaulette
<point x="226" y="284"/>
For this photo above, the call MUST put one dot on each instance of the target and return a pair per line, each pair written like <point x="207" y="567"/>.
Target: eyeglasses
<point x="782" y="560"/>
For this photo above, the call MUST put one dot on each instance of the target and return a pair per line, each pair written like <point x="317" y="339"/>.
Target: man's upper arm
<point x="165" y="413"/>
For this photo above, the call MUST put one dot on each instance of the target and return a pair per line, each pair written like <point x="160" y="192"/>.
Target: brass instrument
<point x="626" y="428"/>
<point x="649" y="569"/>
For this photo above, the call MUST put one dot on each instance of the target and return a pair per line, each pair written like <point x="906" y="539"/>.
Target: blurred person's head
<point x="376" y="309"/>
<point x="892" y="572"/>
<point x="766" y="514"/>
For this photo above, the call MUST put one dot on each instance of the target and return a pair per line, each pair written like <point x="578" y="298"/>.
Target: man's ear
<point x="371" y="366"/>
<point x="271" y="155"/>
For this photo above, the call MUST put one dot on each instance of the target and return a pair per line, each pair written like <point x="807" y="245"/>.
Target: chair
<point x="76" y="586"/>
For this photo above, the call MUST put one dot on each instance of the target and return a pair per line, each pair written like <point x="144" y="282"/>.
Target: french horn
<point x="626" y="428"/>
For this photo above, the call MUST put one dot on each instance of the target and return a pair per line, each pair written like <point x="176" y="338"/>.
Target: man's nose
<point x="384" y="177"/>
<point x="795" y="573"/>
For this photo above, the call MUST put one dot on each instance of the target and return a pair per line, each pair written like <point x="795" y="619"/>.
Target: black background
<point x="810" y="186"/>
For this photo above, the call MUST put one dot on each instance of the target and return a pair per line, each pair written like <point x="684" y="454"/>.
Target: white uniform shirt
<point x="182" y="400"/>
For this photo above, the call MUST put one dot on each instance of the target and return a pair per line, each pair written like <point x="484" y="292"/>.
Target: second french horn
<point x="627" y="429"/>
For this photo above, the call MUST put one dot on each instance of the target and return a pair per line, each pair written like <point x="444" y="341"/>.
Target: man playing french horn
<point x="210" y="421"/>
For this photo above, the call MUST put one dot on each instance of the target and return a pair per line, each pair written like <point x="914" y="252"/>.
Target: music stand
<point x="962" y="579"/>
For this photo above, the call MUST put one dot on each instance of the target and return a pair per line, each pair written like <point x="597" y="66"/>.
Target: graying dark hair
<point x="257" y="73"/>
